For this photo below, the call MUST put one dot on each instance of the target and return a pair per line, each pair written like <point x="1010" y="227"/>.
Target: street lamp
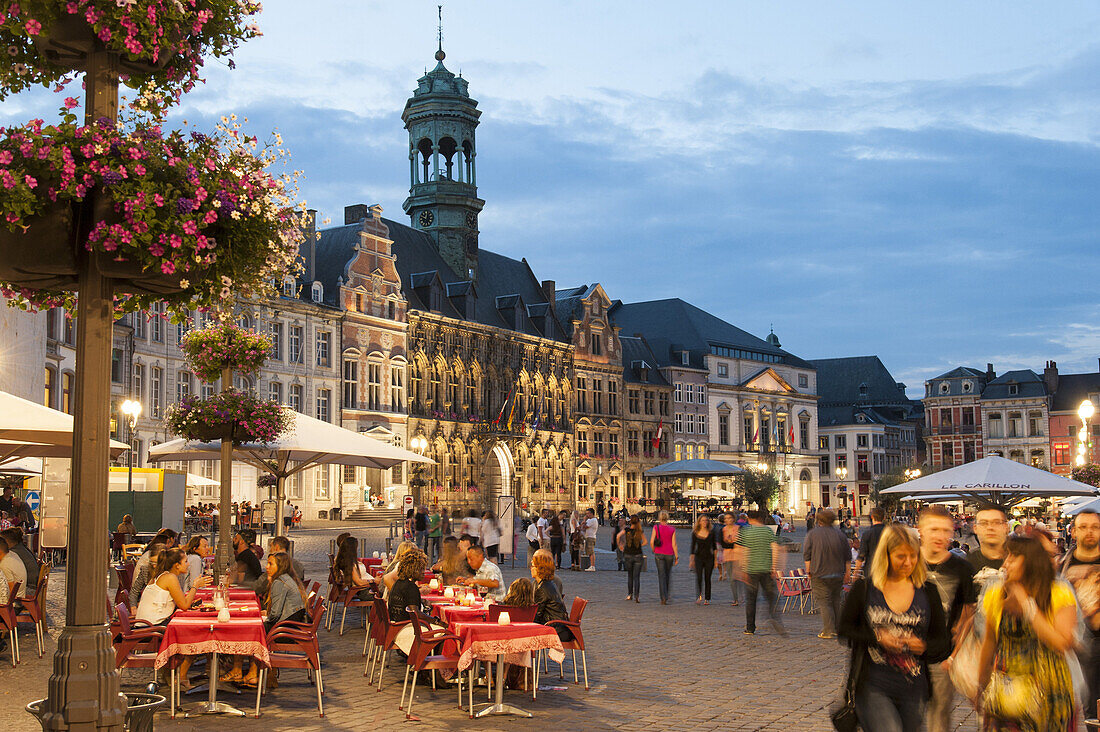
<point x="841" y="475"/>
<point x="1084" y="442"/>
<point x="131" y="408"/>
<point x="419" y="444"/>
<point x="912" y="473"/>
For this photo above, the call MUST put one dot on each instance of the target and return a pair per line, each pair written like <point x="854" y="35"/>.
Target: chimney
<point x="1050" y="376"/>
<point x="311" y="245"/>
<point x="990" y="374"/>
<point x="355" y="213"/>
<point x="548" y="289"/>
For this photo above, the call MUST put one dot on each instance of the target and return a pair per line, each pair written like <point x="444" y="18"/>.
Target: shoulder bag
<point x="844" y="717"/>
<point x="657" y="543"/>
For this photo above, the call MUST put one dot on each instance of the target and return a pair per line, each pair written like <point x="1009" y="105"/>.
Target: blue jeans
<point x="762" y="581"/>
<point x="664" y="574"/>
<point x="633" y="564"/>
<point x="883" y="712"/>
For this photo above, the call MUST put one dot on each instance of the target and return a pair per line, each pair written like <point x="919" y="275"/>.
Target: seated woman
<point x="521" y="593"/>
<point x="405" y="594"/>
<point x="350" y="571"/>
<point x="448" y="564"/>
<point x="548" y="594"/>
<point x="165" y="595"/>
<point x="286" y="600"/>
<point x="390" y="575"/>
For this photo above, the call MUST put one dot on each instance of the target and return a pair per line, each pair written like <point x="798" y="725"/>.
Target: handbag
<point x="1011" y="697"/>
<point x="844" y="716"/>
<point x="657" y="543"/>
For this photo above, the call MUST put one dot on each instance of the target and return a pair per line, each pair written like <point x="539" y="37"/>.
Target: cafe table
<point x="460" y="613"/>
<point x="504" y="643"/>
<point x="196" y="633"/>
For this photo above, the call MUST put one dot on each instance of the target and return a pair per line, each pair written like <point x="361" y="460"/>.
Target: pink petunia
<point x="33" y="27"/>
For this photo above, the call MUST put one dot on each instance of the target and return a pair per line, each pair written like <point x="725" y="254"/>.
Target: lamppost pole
<point x="842" y="475"/>
<point x="132" y="409"/>
<point x="1084" y="439"/>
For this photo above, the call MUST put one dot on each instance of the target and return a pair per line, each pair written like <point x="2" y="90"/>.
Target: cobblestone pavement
<point x="677" y="667"/>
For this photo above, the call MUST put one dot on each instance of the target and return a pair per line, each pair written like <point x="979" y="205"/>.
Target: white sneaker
<point x="590" y="569"/>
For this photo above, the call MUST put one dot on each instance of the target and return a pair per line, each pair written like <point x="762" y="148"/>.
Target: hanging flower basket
<point x="266" y="480"/>
<point x="158" y="41"/>
<point x="220" y="346"/>
<point x="230" y="415"/>
<point x="188" y="220"/>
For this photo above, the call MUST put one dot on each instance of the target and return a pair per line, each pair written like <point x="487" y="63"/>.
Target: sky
<point x="917" y="181"/>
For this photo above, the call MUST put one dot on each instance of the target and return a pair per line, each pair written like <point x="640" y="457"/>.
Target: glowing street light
<point x="1085" y="411"/>
<point x="131" y="408"/>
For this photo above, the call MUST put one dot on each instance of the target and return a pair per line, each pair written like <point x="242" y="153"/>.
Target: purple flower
<point x="198" y="136"/>
<point x="184" y="205"/>
<point x="111" y="178"/>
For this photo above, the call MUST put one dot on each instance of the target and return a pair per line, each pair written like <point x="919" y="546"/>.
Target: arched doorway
<point x="498" y="471"/>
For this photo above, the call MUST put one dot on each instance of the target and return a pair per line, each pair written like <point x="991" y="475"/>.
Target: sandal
<point x="231" y="677"/>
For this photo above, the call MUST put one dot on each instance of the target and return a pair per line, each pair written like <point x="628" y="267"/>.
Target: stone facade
<point x="953" y="416"/>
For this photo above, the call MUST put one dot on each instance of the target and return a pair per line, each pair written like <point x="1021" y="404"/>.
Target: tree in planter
<point x="888" y="502"/>
<point x="760" y="487"/>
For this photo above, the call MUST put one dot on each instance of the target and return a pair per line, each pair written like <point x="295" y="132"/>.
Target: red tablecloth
<point x="436" y="598"/>
<point x="458" y="613"/>
<point x="235" y="593"/>
<point x="485" y="641"/>
<point x="369" y="562"/>
<point x="194" y="636"/>
<point x="237" y="609"/>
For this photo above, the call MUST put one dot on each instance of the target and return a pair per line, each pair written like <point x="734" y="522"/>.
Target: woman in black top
<point x="557" y="539"/>
<point x="548" y="593"/>
<point x="404" y="592"/>
<point x="629" y="543"/>
<point x="703" y="549"/>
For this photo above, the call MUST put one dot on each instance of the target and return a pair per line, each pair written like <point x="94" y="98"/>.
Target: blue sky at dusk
<point x="918" y="181"/>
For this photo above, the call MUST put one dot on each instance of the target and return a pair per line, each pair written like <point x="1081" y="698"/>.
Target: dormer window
<point x="1013" y="389"/>
<point x="288" y="287"/>
<point x="318" y="292"/>
<point x="968" y="387"/>
<point x="944" y="387"/>
<point x="863" y="390"/>
<point x="684" y="356"/>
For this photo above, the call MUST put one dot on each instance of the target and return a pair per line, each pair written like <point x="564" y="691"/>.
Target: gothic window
<point x="582" y="395"/>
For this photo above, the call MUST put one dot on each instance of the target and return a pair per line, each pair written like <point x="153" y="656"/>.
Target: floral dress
<point x="1038" y="677"/>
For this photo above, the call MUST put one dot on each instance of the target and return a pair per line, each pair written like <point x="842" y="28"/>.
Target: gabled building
<point x="1068" y="391"/>
<point x="761" y="404"/>
<point x="598" y="392"/>
<point x="953" y="416"/>
<point x="1015" y="413"/>
<point x="646" y="408"/>
<point x="867" y="427"/>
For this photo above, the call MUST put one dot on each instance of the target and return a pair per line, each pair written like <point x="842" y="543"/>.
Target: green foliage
<point x="1087" y="474"/>
<point x="890" y="501"/>
<point x="759" y="486"/>
<point x="220" y="346"/>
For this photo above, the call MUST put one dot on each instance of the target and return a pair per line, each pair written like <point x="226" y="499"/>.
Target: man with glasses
<point x="1082" y="568"/>
<point x="991" y="526"/>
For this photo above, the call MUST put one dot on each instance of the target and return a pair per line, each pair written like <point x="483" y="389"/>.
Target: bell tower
<point x="441" y="119"/>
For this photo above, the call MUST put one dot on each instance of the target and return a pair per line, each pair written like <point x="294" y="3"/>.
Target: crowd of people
<point x="1012" y="624"/>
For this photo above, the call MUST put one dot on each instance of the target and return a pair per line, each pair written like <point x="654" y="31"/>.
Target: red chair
<point x="139" y="642"/>
<point x="351" y="599"/>
<point x="8" y="621"/>
<point x="125" y="574"/>
<point x="577" y="644"/>
<point x="34" y="606"/>
<point x="289" y="648"/>
<point x="423" y="657"/>
<point x="385" y="635"/>
<point x="517" y="614"/>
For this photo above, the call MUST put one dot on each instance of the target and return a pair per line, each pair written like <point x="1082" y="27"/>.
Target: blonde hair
<point x="893" y="536"/>
<point x="662" y="517"/>
<point x="411" y="565"/>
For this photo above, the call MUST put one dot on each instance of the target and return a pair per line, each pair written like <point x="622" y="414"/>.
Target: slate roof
<point x="1074" y="389"/>
<point x="961" y="372"/>
<point x="839" y="379"/>
<point x="840" y="416"/>
<point x="635" y="352"/>
<point x="501" y="281"/>
<point x="1028" y="383"/>
<point x="673" y="325"/>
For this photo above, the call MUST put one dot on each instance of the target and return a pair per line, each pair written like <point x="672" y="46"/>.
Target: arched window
<point x="318" y="292"/>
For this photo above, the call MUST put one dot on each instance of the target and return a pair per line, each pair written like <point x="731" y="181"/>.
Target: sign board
<point x="506" y="514"/>
<point x="34" y="499"/>
<point x="267" y="512"/>
<point x="407" y="502"/>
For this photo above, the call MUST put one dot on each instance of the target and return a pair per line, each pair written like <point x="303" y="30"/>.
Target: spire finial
<point x="439" y="55"/>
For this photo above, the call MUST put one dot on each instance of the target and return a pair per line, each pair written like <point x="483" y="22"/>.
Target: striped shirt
<point x="758" y="541"/>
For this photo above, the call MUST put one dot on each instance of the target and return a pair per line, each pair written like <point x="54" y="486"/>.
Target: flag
<point x="657" y="438"/>
<point x="503" y="407"/>
<point x="511" y="413"/>
<point x="537" y="418"/>
<point x="790" y="435"/>
<point x="756" y="435"/>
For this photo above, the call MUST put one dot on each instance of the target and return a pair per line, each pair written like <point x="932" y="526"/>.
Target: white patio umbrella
<point x="29" y="429"/>
<point x="307" y="443"/>
<point x="200" y="481"/>
<point x="697" y="493"/>
<point x="1093" y="505"/>
<point x="23" y="466"/>
<point x="994" y="480"/>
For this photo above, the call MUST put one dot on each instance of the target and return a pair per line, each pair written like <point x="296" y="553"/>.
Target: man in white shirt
<point x="544" y="529"/>
<point x="591" y="525"/>
<point x="486" y="574"/>
<point x="533" y="544"/>
<point x="13" y="570"/>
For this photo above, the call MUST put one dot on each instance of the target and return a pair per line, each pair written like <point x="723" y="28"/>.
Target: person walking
<point x="630" y="543"/>
<point x="991" y="525"/>
<point x="420" y="523"/>
<point x="620" y="527"/>
<point x="1081" y="567"/>
<point x="703" y="549"/>
<point x="827" y="558"/>
<point x="893" y="620"/>
<point x="576" y="540"/>
<point x="868" y="541"/>
<point x="557" y="539"/>
<point x="729" y="557"/>
<point x="591" y="526"/>
<point x="953" y="578"/>
<point x="435" y="534"/>
<point x="758" y="552"/>
<point x="665" y="555"/>
<point x="490" y="534"/>
<point x="1024" y="677"/>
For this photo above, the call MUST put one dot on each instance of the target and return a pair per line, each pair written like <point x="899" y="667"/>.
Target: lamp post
<point x="132" y="409"/>
<point x="1084" y="440"/>
<point x="842" y="475"/>
<point x="419" y="444"/>
<point x="912" y="473"/>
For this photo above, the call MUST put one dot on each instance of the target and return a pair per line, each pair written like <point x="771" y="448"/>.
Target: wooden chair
<point x="8" y="621"/>
<point x="577" y="644"/>
<point x="34" y="606"/>
<point x="423" y="656"/>
<point x="132" y="551"/>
